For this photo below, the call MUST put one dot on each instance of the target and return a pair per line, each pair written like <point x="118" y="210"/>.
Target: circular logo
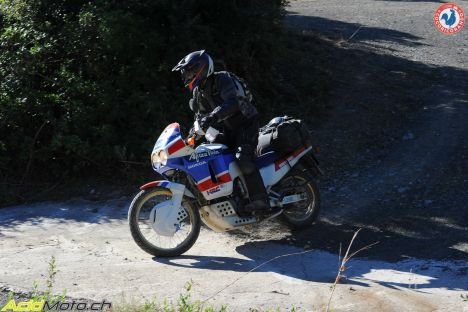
<point x="449" y="18"/>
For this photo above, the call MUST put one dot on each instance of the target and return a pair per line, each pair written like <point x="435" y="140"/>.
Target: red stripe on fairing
<point x="208" y="184"/>
<point x="151" y="184"/>
<point x="173" y="125"/>
<point x="280" y="162"/>
<point x="179" y="144"/>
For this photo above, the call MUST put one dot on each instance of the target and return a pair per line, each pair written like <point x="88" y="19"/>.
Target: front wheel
<point x="141" y="227"/>
<point x="304" y="212"/>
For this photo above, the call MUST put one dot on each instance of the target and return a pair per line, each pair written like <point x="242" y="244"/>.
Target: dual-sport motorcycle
<point x="204" y="183"/>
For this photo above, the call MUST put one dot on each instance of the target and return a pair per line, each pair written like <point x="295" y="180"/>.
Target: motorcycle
<point x="204" y="183"/>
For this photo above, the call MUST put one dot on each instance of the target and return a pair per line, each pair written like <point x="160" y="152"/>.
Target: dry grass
<point x="343" y="265"/>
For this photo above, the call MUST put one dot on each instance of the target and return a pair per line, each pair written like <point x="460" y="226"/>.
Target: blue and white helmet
<point x="195" y="68"/>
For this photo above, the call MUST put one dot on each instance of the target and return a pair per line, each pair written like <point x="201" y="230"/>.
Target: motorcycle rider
<point x="223" y="98"/>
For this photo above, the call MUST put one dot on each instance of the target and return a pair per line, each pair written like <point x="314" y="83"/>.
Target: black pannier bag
<point x="283" y="135"/>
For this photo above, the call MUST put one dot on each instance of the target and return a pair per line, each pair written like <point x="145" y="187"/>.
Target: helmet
<point x="195" y="68"/>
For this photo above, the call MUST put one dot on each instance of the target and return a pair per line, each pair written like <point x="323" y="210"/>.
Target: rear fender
<point x="273" y="173"/>
<point x="176" y="189"/>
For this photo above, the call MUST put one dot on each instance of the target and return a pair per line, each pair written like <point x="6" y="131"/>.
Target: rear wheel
<point x="301" y="213"/>
<point x="148" y="239"/>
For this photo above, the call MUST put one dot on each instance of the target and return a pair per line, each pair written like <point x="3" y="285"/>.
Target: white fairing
<point x="227" y="188"/>
<point x="271" y="174"/>
<point x="274" y="172"/>
<point x="221" y="216"/>
<point x="223" y="189"/>
<point x="166" y="216"/>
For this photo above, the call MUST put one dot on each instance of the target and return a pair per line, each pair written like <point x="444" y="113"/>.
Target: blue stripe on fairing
<point x="200" y="172"/>
<point x="220" y="164"/>
<point x="164" y="139"/>
<point x="162" y="170"/>
<point x="266" y="159"/>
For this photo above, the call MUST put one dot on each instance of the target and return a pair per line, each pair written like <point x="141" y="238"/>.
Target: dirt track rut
<point x="401" y="93"/>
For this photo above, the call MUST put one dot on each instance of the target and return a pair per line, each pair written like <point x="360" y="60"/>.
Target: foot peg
<point x="261" y="207"/>
<point x="258" y="205"/>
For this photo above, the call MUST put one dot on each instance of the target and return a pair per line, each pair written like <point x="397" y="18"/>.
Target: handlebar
<point x="210" y="134"/>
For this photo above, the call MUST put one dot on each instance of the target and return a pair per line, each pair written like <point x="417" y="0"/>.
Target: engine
<point x="221" y="216"/>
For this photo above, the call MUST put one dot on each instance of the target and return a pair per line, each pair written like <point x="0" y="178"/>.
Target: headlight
<point x="159" y="157"/>
<point x="163" y="156"/>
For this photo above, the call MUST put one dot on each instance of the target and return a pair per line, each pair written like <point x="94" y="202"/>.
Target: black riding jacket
<point x="224" y="96"/>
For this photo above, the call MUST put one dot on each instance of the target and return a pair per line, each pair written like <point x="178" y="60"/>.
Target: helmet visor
<point x="193" y="75"/>
<point x="188" y="74"/>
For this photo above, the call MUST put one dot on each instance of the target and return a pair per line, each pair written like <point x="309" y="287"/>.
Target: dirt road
<point x="395" y="147"/>
<point x="96" y="258"/>
<point x="396" y="27"/>
<point x="395" y="152"/>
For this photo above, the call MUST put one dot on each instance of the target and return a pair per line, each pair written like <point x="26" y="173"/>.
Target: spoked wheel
<point x="141" y="217"/>
<point x="304" y="211"/>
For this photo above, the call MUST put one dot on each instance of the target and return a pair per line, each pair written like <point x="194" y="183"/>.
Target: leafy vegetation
<point x="184" y="302"/>
<point x="86" y="86"/>
<point x="48" y="294"/>
<point x="37" y="295"/>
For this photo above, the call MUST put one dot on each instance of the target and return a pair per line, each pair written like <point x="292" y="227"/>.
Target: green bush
<point x="88" y="84"/>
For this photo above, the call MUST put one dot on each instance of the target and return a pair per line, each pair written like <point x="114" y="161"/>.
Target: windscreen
<point x="171" y="133"/>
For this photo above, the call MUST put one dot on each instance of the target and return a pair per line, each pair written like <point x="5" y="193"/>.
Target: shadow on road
<point x="343" y="30"/>
<point x="63" y="212"/>
<point x="318" y="266"/>
<point x="398" y="238"/>
<point x="394" y="152"/>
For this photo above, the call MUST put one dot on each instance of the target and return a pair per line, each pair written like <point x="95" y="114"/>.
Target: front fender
<point x="175" y="188"/>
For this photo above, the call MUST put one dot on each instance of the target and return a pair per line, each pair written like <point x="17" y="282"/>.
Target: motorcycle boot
<point x="259" y="201"/>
